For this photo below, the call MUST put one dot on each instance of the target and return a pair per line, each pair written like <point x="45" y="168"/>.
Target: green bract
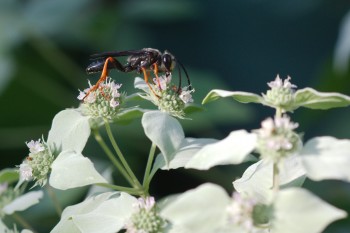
<point x="307" y="97"/>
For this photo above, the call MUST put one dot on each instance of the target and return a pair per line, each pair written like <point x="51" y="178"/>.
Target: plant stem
<point x="278" y="112"/>
<point x="22" y="222"/>
<point x="146" y="177"/>
<point x="110" y="155"/>
<point x="120" y="155"/>
<point x="276" y="178"/>
<point x="132" y="191"/>
<point x="54" y="199"/>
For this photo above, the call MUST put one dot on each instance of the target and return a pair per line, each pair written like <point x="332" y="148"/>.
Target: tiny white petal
<point x="25" y="171"/>
<point x="35" y="146"/>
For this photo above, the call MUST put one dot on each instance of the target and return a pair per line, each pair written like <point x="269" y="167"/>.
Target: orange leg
<point x="155" y="71"/>
<point x="145" y="75"/>
<point x="103" y="77"/>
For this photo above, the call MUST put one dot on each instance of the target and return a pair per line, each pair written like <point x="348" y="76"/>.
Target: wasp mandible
<point x="141" y="61"/>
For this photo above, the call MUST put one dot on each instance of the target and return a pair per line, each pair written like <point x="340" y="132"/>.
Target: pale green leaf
<point x="125" y="116"/>
<point x="69" y="131"/>
<point x="163" y="130"/>
<point x="233" y="149"/>
<point x="243" y="97"/>
<point x="9" y="175"/>
<point x="257" y="180"/>
<point x="327" y="158"/>
<point x="66" y="223"/>
<point x="71" y="169"/>
<point x="310" y="98"/>
<point x="199" y="210"/>
<point x="23" y="202"/>
<point x="298" y="210"/>
<point x="109" y="217"/>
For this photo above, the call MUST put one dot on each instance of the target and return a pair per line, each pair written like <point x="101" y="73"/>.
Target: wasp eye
<point x="167" y="61"/>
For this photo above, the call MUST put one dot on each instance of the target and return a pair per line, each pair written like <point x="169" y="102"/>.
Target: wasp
<point x="140" y="61"/>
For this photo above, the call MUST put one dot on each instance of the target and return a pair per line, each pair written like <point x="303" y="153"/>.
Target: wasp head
<point x="168" y="62"/>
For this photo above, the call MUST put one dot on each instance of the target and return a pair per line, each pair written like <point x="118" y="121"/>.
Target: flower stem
<point x="278" y="112"/>
<point x="54" y="199"/>
<point x="147" y="177"/>
<point x="110" y="155"/>
<point x="120" y="155"/>
<point x="22" y="222"/>
<point x="276" y="178"/>
<point x="131" y="191"/>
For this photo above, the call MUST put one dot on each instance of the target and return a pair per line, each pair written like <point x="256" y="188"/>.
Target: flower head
<point x="104" y="102"/>
<point x="168" y="97"/>
<point x="276" y="138"/>
<point x="281" y="93"/>
<point x="37" y="165"/>
<point x="145" y="219"/>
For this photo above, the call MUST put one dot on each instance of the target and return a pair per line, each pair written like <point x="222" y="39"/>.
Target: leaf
<point x="327" y="158"/>
<point x="188" y="148"/>
<point x="23" y="202"/>
<point x="69" y="131"/>
<point x="198" y="210"/>
<point x="298" y="210"/>
<point x="163" y="130"/>
<point x="243" y="97"/>
<point x="310" y="98"/>
<point x="109" y="217"/>
<point x="257" y="179"/>
<point x="233" y="149"/>
<point x="71" y="169"/>
<point x="9" y="175"/>
<point x="128" y="115"/>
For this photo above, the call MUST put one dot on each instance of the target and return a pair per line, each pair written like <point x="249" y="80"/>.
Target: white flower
<point x="164" y="80"/>
<point x="278" y="83"/>
<point x="186" y="96"/>
<point x="25" y="171"/>
<point x="113" y="103"/>
<point x="3" y="187"/>
<point x="35" y="146"/>
<point x="145" y="203"/>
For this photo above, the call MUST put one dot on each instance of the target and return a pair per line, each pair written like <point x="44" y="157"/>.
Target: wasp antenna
<point x="180" y="80"/>
<point x="188" y="78"/>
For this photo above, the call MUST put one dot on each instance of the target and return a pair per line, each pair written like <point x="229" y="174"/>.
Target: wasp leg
<point x="103" y="77"/>
<point x="155" y="71"/>
<point x="145" y="75"/>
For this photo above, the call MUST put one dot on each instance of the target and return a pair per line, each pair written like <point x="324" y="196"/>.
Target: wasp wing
<point x="117" y="54"/>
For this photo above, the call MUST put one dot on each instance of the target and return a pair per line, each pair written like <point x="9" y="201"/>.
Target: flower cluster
<point x="145" y="218"/>
<point x="170" y="98"/>
<point x="104" y="102"/>
<point x="37" y="165"/>
<point x="281" y="93"/>
<point x="277" y="139"/>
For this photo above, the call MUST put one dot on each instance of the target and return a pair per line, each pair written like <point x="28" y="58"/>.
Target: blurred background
<point x="232" y="45"/>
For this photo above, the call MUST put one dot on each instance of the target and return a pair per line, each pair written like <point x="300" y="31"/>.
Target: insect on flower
<point x="143" y="60"/>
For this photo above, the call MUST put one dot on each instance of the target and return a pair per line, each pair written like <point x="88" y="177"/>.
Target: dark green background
<point x="234" y="45"/>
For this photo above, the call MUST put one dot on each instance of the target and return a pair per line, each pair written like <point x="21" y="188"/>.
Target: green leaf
<point x="9" y="175"/>
<point x="234" y="149"/>
<point x="298" y="210"/>
<point x="327" y="158"/>
<point x="71" y="169"/>
<point x="198" y="210"/>
<point x="163" y="130"/>
<point x="109" y="217"/>
<point x="243" y="97"/>
<point x="23" y="202"/>
<point x="310" y="98"/>
<point x="128" y="115"/>
<point x="69" y="131"/>
<point x="257" y="180"/>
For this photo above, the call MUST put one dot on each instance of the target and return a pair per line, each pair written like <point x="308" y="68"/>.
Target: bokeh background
<point x="233" y="45"/>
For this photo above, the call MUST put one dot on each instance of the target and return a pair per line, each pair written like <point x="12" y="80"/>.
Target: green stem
<point x="22" y="222"/>
<point x="120" y="155"/>
<point x="54" y="199"/>
<point x="110" y="155"/>
<point x="278" y="112"/>
<point x="131" y="191"/>
<point x="276" y="178"/>
<point x="146" y="177"/>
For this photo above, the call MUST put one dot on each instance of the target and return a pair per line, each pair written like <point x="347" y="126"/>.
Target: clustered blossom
<point x="145" y="219"/>
<point x="37" y="164"/>
<point x="104" y="102"/>
<point x="276" y="138"/>
<point x="168" y="97"/>
<point x="281" y="93"/>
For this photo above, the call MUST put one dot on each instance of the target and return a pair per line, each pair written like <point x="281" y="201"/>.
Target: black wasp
<point x="142" y="60"/>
